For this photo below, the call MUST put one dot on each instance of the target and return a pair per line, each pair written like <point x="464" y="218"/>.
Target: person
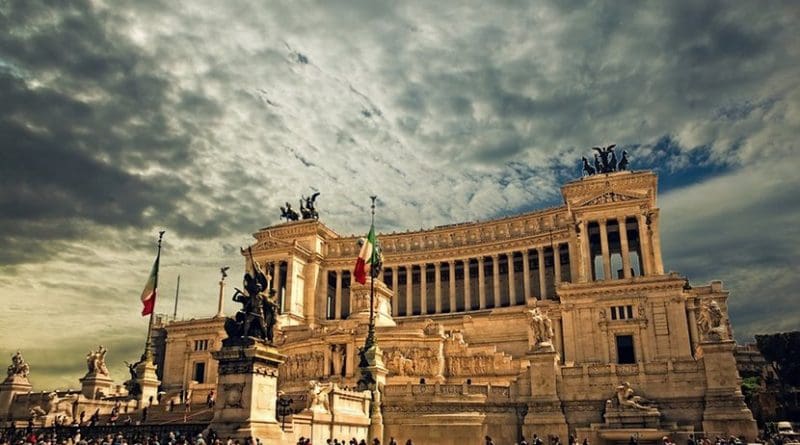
<point x="536" y="440"/>
<point x="409" y="442"/>
<point x="523" y="442"/>
<point x="691" y="440"/>
<point x="376" y="441"/>
<point x="633" y="441"/>
<point x="210" y="399"/>
<point x="392" y="441"/>
<point x="489" y="440"/>
<point x="586" y="441"/>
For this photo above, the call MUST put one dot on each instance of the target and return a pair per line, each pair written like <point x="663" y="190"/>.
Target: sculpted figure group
<point x="605" y="161"/>
<point x="96" y="361"/>
<point x="308" y="209"/>
<point x="542" y="328"/>
<point x="18" y="366"/>
<point x="710" y="322"/>
<point x="259" y="313"/>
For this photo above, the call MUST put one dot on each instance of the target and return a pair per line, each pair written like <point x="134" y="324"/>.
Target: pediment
<point x="609" y="197"/>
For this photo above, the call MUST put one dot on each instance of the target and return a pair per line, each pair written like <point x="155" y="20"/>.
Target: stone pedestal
<point x="247" y="389"/>
<point x="383" y="303"/>
<point x="545" y="415"/>
<point x="725" y="412"/>
<point x="95" y="385"/>
<point x="13" y="385"/>
<point x="148" y="382"/>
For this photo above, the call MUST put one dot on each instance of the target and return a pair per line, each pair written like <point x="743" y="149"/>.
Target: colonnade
<point x="462" y="284"/>
<point x="611" y="236"/>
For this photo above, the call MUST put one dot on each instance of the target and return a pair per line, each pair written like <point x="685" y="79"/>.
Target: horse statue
<point x="588" y="169"/>
<point x="289" y="213"/>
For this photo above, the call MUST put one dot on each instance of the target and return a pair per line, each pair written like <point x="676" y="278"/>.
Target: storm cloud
<point x="203" y="118"/>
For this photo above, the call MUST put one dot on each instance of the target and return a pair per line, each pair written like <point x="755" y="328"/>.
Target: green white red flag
<point x="150" y="290"/>
<point x="367" y="257"/>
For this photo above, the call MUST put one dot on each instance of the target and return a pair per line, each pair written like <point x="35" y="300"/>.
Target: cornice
<point x="574" y="291"/>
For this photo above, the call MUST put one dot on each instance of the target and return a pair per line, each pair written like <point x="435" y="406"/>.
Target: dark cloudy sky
<point x="118" y="119"/>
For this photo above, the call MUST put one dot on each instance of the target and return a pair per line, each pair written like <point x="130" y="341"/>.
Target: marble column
<point x="658" y="265"/>
<point x="423" y="288"/>
<point x="644" y="243"/>
<point x="278" y="282"/>
<point x="556" y="264"/>
<point x="337" y="307"/>
<point x="604" y="250"/>
<point x="452" y="268"/>
<point x="586" y="254"/>
<point x="437" y="284"/>
<point x="512" y="289"/>
<point x="481" y="284"/>
<point x="623" y="243"/>
<point x="496" y="279"/>
<point x="395" y="290"/>
<point x="467" y="289"/>
<point x="526" y="275"/>
<point x="542" y="275"/>
<point x="409" y="289"/>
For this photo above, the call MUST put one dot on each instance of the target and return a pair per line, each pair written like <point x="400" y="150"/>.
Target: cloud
<point x="203" y="118"/>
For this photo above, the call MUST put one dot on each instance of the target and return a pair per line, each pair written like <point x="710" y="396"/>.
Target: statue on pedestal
<point x="318" y="396"/>
<point x="259" y="313"/>
<point x="627" y="398"/>
<point x="542" y="328"/>
<point x="710" y="322"/>
<point x="96" y="361"/>
<point x="18" y="366"/>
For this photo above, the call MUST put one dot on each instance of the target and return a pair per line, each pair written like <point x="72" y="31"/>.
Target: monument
<point x="248" y="364"/>
<point x="96" y="384"/>
<point x="16" y="382"/>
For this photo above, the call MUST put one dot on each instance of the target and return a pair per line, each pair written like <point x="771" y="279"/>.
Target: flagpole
<point x="148" y="345"/>
<point x="372" y="268"/>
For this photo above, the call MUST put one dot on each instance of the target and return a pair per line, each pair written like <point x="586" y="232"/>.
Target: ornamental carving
<point x="461" y="360"/>
<point x="303" y="366"/>
<point x="233" y="395"/>
<point x="414" y="361"/>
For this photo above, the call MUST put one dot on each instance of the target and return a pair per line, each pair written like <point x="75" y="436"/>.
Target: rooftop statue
<point x="308" y="207"/>
<point x="96" y="361"/>
<point x="132" y="385"/>
<point x="18" y="366"/>
<point x="605" y="161"/>
<point x="259" y="313"/>
<point x="289" y="213"/>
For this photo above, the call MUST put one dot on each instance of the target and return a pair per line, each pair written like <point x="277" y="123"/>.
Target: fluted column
<point x="467" y="288"/>
<point x="277" y="280"/>
<point x="526" y="275"/>
<point x="423" y="289"/>
<point x="452" y="269"/>
<point x="586" y="254"/>
<point x="395" y="289"/>
<point x="496" y="280"/>
<point x="556" y="264"/>
<point x="542" y="275"/>
<point x="644" y="243"/>
<point x="604" y="250"/>
<point x="337" y="307"/>
<point x="481" y="284"/>
<point x="437" y="284"/>
<point x="512" y="289"/>
<point x="409" y="290"/>
<point x="694" y="338"/>
<point x="623" y="244"/>
<point x="658" y="265"/>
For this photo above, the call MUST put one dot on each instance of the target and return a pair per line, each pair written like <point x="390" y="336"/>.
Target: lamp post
<point x="284" y="408"/>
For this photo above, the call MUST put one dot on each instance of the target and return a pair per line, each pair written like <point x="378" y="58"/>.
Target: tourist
<point x="523" y="442"/>
<point x="536" y="440"/>
<point x="489" y="440"/>
<point x="585" y="441"/>
<point x="376" y="441"/>
<point x="691" y="440"/>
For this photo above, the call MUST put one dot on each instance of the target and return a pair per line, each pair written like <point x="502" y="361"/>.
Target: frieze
<point x="433" y="408"/>
<point x="461" y="360"/>
<point x="544" y="407"/>
<point x="303" y="366"/>
<point x="610" y="197"/>
<point x="233" y="395"/>
<point x="413" y="361"/>
<point x="585" y="405"/>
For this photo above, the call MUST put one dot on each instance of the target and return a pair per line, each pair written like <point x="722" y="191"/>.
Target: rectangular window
<point x="201" y="345"/>
<point x="199" y="372"/>
<point x="613" y="312"/>
<point x="622" y="312"/>
<point x="625" y="353"/>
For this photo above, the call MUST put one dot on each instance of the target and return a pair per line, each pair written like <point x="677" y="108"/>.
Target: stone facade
<point x="456" y="335"/>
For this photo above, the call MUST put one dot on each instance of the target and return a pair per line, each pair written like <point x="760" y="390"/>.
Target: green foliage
<point x="783" y="351"/>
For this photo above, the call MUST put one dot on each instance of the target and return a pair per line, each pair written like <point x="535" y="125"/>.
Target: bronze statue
<point x="259" y="312"/>
<point x="588" y="169"/>
<point x="308" y="208"/>
<point x="132" y="385"/>
<point x="607" y="158"/>
<point x="289" y="213"/>
<point x="623" y="163"/>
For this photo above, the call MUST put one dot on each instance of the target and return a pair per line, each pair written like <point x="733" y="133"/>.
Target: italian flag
<point x="150" y="290"/>
<point x="366" y="258"/>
